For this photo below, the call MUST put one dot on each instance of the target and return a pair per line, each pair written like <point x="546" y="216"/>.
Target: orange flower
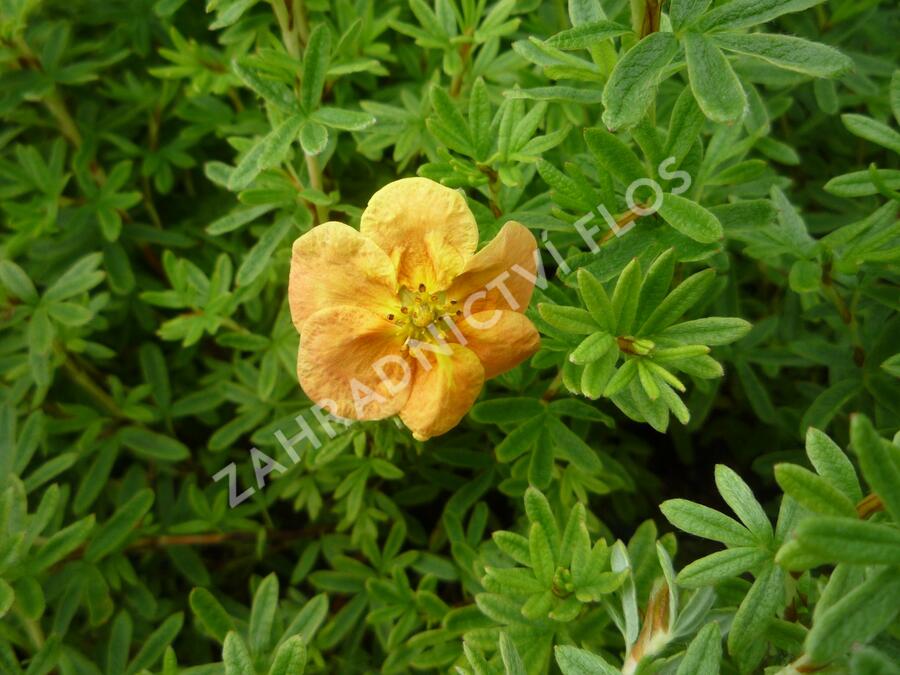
<point x="403" y="316"/>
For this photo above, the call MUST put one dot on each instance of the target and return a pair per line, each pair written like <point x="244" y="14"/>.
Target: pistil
<point x="422" y="314"/>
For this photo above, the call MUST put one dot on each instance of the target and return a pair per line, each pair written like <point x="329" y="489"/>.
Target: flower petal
<point x="333" y="265"/>
<point x="443" y="394"/>
<point x="501" y="275"/>
<point x="344" y="351"/>
<point x="500" y="339"/>
<point x="427" y="230"/>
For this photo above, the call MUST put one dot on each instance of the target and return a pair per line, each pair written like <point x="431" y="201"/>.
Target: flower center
<point x="421" y="316"/>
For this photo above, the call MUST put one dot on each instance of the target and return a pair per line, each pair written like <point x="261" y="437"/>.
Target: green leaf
<point x="316" y="58"/>
<point x="622" y="378"/>
<point x="119" y="645"/>
<point x="850" y="540"/>
<point x="541" y="555"/>
<point x="575" y="661"/>
<point x="49" y="470"/>
<point x="688" y="293"/>
<point x="46" y="658"/>
<point x="512" y="662"/>
<point x="587" y="35"/>
<point x="308" y="619"/>
<point x="647" y="380"/>
<point x="235" y="656"/>
<point x="788" y="52"/>
<point x="17" y="282"/>
<point x="892" y="365"/>
<point x="722" y="565"/>
<point x="505" y="410"/>
<point x="870" y="661"/>
<point x="156" y="374"/>
<point x="702" y="521"/>
<point x="211" y="613"/>
<point x="714" y="83"/>
<point x="156" y="644"/>
<point x="290" y="658"/>
<point x="691" y="219"/>
<point x="347" y="120"/>
<point x="96" y="477"/>
<point x="272" y="91"/>
<point x="520" y="440"/>
<point x="711" y="331"/>
<point x="743" y="13"/>
<point x="262" y="614"/>
<point x="540" y="467"/>
<point x="626" y="296"/>
<point x="813" y="492"/>
<point x="895" y="95"/>
<point x="832" y="464"/>
<point x="859" y="183"/>
<point x="69" y="314"/>
<point x="61" y="544"/>
<point x="631" y="87"/>
<point x="704" y="653"/>
<point x="449" y="126"/>
<point x="763" y="600"/>
<point x="656" y="284"/>
<point x="685" y="124"/>
<point x="278" y="143"/>
<point x="152" y="445"/>
<point x="596" y="300"/>
<point x="480" y="119"/>
<point x="237" y="218"/>
<point x="592" y="348"/>
<point x="557" y="93"/>
<point x="872" y="130"/>
<point x="598" y="373"/>
<point x="879" y="461"/>
<point x="570" y="446"/>
<point x="268" y="151"/>
<point x="538" y="509"/>
<point x="805" y="276"/>
<point x="856" y="618"/>
<point x="568" y="319"/>
<point x="313" y="138"/>
<point x="614" y="156"/>
<point x="738" y="495"/>
<point x="117" y="529"/>
<point x="684" y="12"/>
<point x="260" y="255"/>
<point x="80" y="277"/>
<point x="7" y="597"/>
<point x="826" y="96"/>
<point x="514" y="545"/>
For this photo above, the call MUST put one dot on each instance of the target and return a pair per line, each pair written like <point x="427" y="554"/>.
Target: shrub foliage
<point x="714" y="186"/>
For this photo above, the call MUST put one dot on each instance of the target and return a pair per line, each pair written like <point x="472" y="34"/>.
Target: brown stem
<point x="465" y="50"/>
<point x="552" y="388"/>
<point x="869" y="505"/>
<point x="210" y="539"/>
<point x="218" y="538"/>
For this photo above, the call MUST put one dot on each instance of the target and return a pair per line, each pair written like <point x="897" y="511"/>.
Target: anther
<point x="404" y="309"/>
<point x="390" y="317"/>
<point x="453" y="302"/>
<point x="459" y="312"/>
<point x="421" y="288"/>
